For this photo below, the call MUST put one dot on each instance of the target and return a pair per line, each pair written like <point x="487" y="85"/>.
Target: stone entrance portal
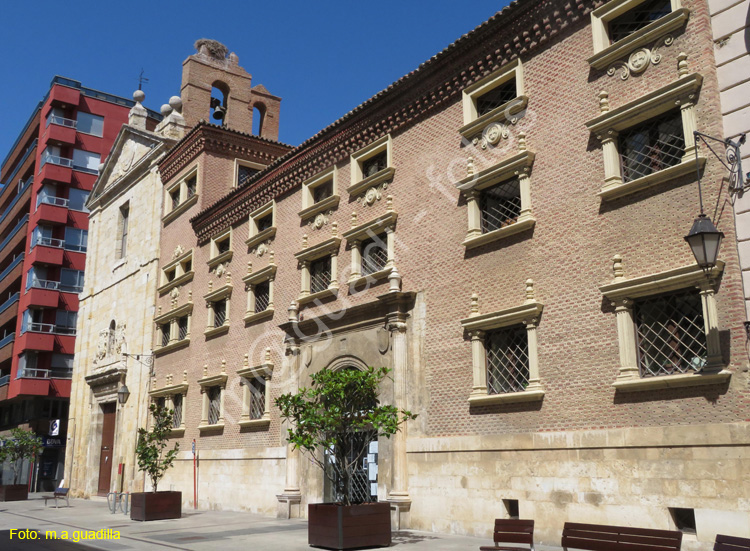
<point x="108" y="439"/>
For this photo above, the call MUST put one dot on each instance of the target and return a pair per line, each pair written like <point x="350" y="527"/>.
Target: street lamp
<point x="704" y="239"/>
<point x="123" y="394"/>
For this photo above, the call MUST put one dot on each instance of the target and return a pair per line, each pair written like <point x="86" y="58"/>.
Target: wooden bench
<point x="511" y="531"/>
<point x="598" y="537"/>
<point x="60" y="493"/>
<point x="731" y="543"/>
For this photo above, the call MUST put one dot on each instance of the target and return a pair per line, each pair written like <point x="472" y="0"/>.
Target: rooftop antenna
<point x="141" y="79"/>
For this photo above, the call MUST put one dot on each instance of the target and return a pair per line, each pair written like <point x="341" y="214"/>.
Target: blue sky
<point x="322" y="58"/>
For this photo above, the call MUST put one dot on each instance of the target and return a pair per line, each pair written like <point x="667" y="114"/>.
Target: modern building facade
<point x="503" y="228"/>
<point x="47" y="177"/>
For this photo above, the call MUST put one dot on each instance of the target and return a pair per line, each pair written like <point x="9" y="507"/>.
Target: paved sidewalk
<point x="196" y="530"/>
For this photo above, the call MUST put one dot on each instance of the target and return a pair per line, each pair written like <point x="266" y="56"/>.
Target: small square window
<point x="371" y="166"/>
<point x="220" y="249"/>
<point x="323" y="191"/>
<point x="169" y="275"/>
<point x="507" y="360"/>
<point x="187" y="265"/>
<point x="494" y="98"/>
<point x="511" y="507"/>
<point x="500" y="205"/>
<point x="262" y="296"/>
<point x="652" y="146"/>
<point x="374" y="164"/>
<point x="191" y="185"/>
<point x="174" y="195"/>
<point x="244" y="174"/>
<point x="265" y="222"/>
<point x="638" y="17"/>
<point x="374" y="254"/>
<point x="222" y="246"/>
<point x="165" y="333"/>
<point x="320" y="274"/>
<point x="214" y="404"/>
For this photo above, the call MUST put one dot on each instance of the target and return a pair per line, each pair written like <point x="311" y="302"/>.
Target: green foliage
<point x="331" y="414"/>
<point x="21" y="444"/>
<point x="151" y="445"/>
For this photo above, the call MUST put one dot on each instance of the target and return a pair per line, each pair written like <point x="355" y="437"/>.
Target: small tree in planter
<point x="154" y="462"/>
<point x="330" y="416"/>
<point x="20" y="445"/>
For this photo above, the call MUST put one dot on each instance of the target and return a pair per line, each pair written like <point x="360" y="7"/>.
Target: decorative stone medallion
<point x="373" y="194"/>
<point x="641" y="59"/>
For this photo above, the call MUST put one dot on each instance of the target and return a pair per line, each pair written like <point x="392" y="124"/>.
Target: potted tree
<point x="330" y="418"/>
<point x="154" y="462"/>
<point x="20" y="445"/>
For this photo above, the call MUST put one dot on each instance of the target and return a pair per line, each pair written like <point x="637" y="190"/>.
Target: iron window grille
<point x="165" y="334"/>
<point x="671" y="334"/>
<point x="374" y="255"/>
<point x="182" y="327"/>
<point x="265" y="222"/>
<point x="374" y="164"/>
<point x="262" y="296"/>
<point x="220" y="312"/>
<point x="175" y="195"/>
<point x="257" y="398"/>
<point x="191" y="184"/>
<point x="320" y="274"/>
<point x="652" y="146"/>
<point x="177" y="411"/>
<point x="500" y="205"/>
<point x="244" y="173"/>
<point x="499" y="95"/>
<point x="322" y="191"/>
<point x="507" y="360"/>
<point x="360" y="490"/>
<point x="635" y="19"/>
<point x="214" y="404"/>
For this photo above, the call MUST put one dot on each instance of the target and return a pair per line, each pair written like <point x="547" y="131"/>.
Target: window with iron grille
<point x="652" y="146"/>
<point x="214" y="404"/>
<point x="257" y="398"/>
<point x="374" y="164"/>
<point x="192" y="185"/>
<point x="265" y="222"/>
<point x="220" y="312"/>
<point x="262" y="293"/>
<point x="320" y="274"/>
<point x="671" y="334"/>
<point x="507" y="360"/>
<point x="244" y="173"/>
<point x="177" y="411"/>
<point x="322" y="191"/>
<point x="500" y="205"/>
<point x="165" y="334"/>
<point x="175" y="196"/>
<point x="499" y="95"/>
<point x="161" y="402"/>
<point x="635" y="19"/>
<point x="222" y="246"/>
<point x="374" y="255"/>
<point x="182" y="328"/>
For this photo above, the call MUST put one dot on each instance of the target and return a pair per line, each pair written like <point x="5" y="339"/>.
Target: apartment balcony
<point x="39" y="386"/>
<point x="18" y="205"/>
<point x="46" y="337"/>
<point x="62" y="96"/>
<point x="59" y="131"/>
<point x="11" y="275"/>
<point x="16" y="237"/>
<point x="43" y="298"/>
<point x="55" y="169"/>
<point x="46" y="250"/>
<point x="6" y="347"/>
<point x="52" y="210"/>
<point x="9" y="309"/>
<point x="4" y="380"/>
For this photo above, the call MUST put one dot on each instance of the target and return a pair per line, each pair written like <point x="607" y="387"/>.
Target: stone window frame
<point x="168" y="392"/>
<point x="249" y="164"/>
<point x="475" y="124"/>
<point x="185" y="201"/>
<point x="181" y="276"/>
<point x="329" y="247"/>
<point x="247" y="373"/>
<point x="477" y="325"/>
<point x="515" y="166"/>
<point x="215" y="257"/>
<point x="309" y="207"/>
<point x="256" y="237"/>
<point x="206" y="383"/>
<point x="622" y="293"/>
<point x="607" y="126"/>
<point x="385" y="223"/>
<point x="605" y="52"/>
<point x="251" y="280"/>
<point x="359" y="184"/>
<point x="173" y="319"/>
<point x="223" y="293"/>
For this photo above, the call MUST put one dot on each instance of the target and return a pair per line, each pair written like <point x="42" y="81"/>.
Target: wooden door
<point x="108" y="440"/>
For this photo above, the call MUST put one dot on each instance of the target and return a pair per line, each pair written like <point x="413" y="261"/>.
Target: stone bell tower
<point x="216" y="89"/>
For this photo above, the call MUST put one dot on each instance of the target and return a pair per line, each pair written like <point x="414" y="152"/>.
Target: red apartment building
<point x="46" y="179"/>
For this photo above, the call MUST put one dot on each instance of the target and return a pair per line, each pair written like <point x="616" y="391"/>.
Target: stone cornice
<point x="518" y="30"/>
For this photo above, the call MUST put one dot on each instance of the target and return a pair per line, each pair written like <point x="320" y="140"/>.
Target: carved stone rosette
<point x="372" y="195"/>
<point x="639" y="60"/>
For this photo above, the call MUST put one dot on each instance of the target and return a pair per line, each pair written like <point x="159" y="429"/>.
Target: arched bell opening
<point x="219" y="99"/>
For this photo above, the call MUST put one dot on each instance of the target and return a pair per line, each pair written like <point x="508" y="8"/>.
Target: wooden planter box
<point x="14" y="492"/>
<point x="335" y="526"/>
<point x="155" y="505"/>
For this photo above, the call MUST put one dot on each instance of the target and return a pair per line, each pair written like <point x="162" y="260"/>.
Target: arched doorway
<point x="364" y="479"/>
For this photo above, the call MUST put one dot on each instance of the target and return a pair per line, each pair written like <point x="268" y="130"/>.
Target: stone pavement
<point x="196" y="530"/>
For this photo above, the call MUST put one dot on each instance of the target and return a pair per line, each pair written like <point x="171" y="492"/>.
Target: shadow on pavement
<point x="405" y="538"/>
